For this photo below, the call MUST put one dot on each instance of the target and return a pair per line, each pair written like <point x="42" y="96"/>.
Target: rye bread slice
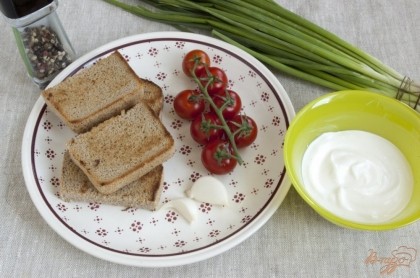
<point x="153" y="96"/>
<point x="142" y="193"/>
<point x="122" y="149"/>
<point x="96" y="93"/>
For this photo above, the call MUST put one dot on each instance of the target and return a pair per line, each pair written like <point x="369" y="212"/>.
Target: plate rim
<point x="158" y="261"/>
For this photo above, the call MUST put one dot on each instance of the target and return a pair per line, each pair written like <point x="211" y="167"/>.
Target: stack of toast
<point x="117" y="155"/>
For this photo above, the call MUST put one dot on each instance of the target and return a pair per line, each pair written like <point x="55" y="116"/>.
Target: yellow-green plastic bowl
<point x="356" y="110"/>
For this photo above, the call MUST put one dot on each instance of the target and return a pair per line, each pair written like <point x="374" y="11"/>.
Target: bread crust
<point x="153" y="96"/>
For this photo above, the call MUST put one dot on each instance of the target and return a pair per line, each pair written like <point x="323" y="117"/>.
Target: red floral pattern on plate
<point x="165" y="232"/>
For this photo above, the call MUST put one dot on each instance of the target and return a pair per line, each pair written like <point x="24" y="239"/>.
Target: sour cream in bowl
<point x="354" y="157"/>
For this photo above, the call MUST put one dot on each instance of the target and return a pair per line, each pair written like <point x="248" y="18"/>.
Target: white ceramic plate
<point x="163" y="237"/>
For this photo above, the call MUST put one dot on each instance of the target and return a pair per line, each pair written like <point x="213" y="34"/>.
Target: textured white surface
<point x="296" y="242"/>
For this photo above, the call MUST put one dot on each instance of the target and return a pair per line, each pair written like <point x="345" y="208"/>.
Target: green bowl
<point x="360" y="110"/>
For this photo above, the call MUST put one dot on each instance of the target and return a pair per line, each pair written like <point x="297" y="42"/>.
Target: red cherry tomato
<point x="203" y="129"/>
<point x="231" y="101"/>
<point x="188" y="104"/>
<point x="245" y="128"/>
<point x="192" y="58"/>
<point x="215" y="79"/>
<point x="217" y="158"/>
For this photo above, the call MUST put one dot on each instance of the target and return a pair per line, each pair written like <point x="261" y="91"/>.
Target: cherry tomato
<point x="216" y="79"/>
<point x="248" y="130"/>
<point x="202" y="128"/>
<point x="191" y="58"/>
<point x="217" y="158"/>
<point x="231" y="101"/>
<point x="188" y="104"/>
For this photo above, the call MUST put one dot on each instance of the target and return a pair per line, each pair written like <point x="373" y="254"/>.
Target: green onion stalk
<point x="284" y="41"/>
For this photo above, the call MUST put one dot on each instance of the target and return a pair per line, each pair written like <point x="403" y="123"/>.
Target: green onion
<point x="285" y="41"/>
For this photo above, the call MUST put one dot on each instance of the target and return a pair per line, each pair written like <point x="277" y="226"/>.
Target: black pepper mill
<point x="40" y="37"/>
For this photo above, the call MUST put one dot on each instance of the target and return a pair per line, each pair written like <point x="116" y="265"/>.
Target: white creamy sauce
<point x="357" y="175"/>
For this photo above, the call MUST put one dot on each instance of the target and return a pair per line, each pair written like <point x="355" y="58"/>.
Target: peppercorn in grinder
<point x="40" y="37"/>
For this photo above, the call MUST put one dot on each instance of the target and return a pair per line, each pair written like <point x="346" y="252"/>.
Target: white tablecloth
<point x="296" y="242"/>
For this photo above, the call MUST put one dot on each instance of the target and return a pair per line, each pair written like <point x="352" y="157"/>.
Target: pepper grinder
<point x="42" y="42"/>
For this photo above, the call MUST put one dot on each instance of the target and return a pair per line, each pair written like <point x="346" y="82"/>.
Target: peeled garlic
<point x="184" y="206"/>
<point x="209" y="190"/>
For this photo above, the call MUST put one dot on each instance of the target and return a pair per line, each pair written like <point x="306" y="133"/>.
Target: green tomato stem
<point x="219" y="114"/>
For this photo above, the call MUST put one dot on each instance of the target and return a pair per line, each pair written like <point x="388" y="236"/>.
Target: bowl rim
<point x="307" y="198"/>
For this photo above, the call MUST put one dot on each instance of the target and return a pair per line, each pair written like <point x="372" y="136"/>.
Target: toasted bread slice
<point x="142" y="193"/>
<point x="96" y="93"/>
<point x="122" y="149"/>
<point x="153" y="96"/>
